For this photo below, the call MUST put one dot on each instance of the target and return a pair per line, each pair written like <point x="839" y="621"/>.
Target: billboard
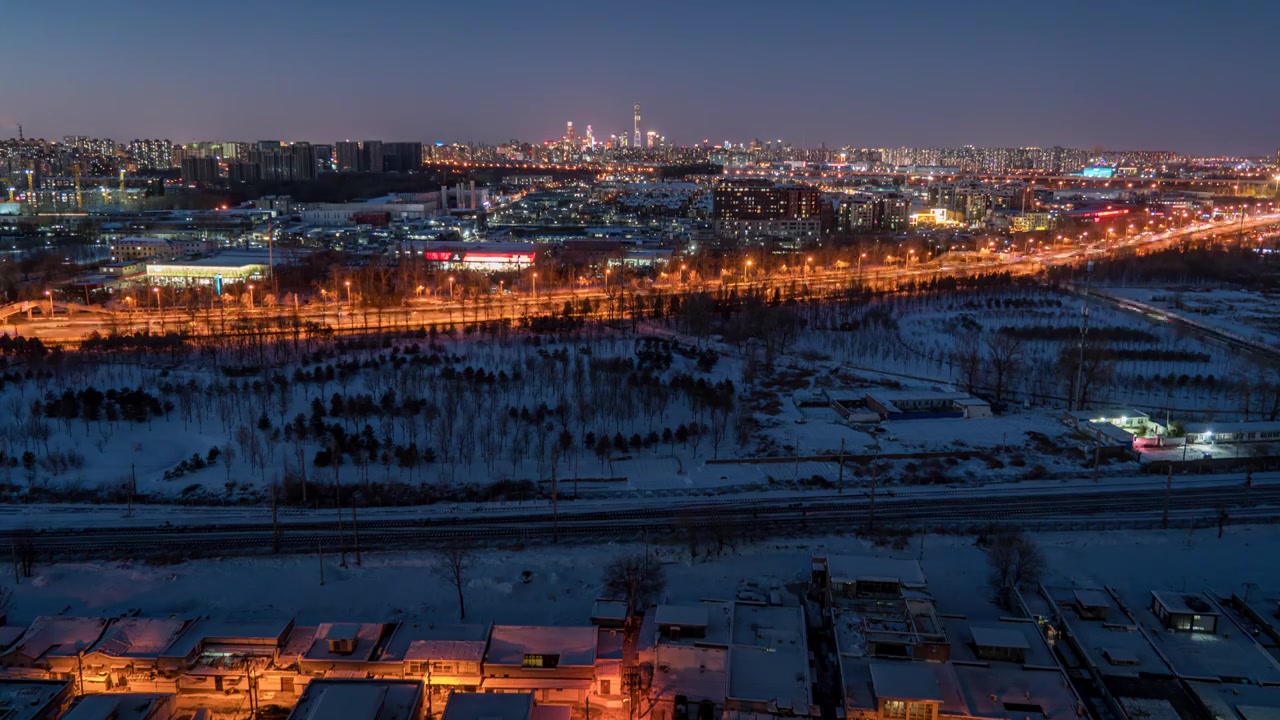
<point x="1098" y="171"/>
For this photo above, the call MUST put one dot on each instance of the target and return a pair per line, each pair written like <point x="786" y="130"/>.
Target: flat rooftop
<point x="414" y="641"/>
<point x="27" y="699"/>
<point x="768" y="626"/>
<point x="853" y="568"/>
<point x="327" y="699"/>
<point x="1026" y="635"/>
<point x="114" y="706"/>
<point x="488" y="706"/>
<point x="508" y="644"/>
<point x="698" y="673"/>
<point x="778" y="676"/>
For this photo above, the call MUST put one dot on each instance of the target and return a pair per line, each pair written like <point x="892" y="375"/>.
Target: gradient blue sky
<point x="1183" y="75"/>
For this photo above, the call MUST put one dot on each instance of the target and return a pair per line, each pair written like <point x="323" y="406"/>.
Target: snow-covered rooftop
<point x="50" y="637"/>
<point x="28" y="699"/>
<point x="685" y="616"/>
<point x="853" y="568"/>
<point x="1021" y="634"/>
<point x="114" y="706"/>
<point x="778" y="676"/>
<point x="365" y="635"/>
<point x="904" y="680"/>
<point x="508" y="644"/>
<point x="995" y="692"/>
<point x="414" y="641"/>
<point x="330" y="699"/>
<point x="768" y="626"/>
<point x="232" y="629"/>
<point x="698" y="673"/>
<point x="138" y="637"/>
<point x="489" y="706"/>
<point x="997" y="636"/>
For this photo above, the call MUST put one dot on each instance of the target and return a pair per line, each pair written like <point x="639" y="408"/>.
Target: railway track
<point x="830" y="513"/>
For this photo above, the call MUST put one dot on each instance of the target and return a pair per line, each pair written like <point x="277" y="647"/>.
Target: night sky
<point x="1182" y="75"/>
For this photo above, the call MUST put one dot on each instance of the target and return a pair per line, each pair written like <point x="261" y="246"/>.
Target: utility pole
<point x="871" y="509"/>
<point x="275" y="520"/>
<point x="1168" y="491"/>
<point x="840" y="482"/>
<point x="1078" y="395"/>
<point x="355" y="528"/>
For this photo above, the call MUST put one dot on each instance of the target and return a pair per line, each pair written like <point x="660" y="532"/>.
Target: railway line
<point x="766" y="515"/>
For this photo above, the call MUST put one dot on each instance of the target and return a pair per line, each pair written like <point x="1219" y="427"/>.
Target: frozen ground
<point x="567" y="580"/>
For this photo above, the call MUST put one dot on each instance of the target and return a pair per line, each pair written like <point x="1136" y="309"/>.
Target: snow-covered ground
<point x="1251" y="314"/>
<point x="566" y="580"/>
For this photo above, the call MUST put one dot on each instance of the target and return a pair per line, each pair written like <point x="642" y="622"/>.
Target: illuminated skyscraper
<point x="636" y="141"/>
<point x="591" y="138"/>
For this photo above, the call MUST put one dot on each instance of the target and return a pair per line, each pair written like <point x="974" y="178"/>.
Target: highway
<point x="945" y="509"/>
<point x="343" y="318"/>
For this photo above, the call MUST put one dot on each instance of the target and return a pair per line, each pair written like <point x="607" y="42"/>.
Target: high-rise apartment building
<point x="746" y="209"/>
<point x="199" y="170"/>
<point x="151" y="154"/>
<point x="401" y="157"/>
<point x="371" y="155"/>
<point x="347" y="156"/>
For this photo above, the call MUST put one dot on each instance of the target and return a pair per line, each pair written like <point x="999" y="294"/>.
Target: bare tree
<point x="1004" y="354"/>
<point x="6" y="600"/>
<point x="637" y="578"/>
<point x="967" y="356"/>
<point x="1016" y="560"/>
<point x="453" y="562"/>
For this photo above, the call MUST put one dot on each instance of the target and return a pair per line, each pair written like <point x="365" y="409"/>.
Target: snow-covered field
<point x="927" y="337"/>
<point x="497" y="414"/>
<point x="567" y="580"/>
<point x="1251" y="314"/>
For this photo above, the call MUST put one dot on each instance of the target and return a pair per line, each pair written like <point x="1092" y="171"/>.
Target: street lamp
<point x="746" y="271"/>
<point x="348" y="284"/>
<point x="535" y="284"/>
<point x="156" y="290"/>
<point x="50" y="296"/>
<point x="450" y="288"/>
<point x="250" y="296"/>
<point x="606" y="281"/>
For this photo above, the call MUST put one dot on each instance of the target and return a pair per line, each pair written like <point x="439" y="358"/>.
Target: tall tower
<point x="636" y="142"/>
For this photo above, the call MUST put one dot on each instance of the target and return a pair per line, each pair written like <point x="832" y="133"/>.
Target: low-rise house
<point x="129" y="653"/>
<point x="34" y="699"/>
<point x="331" y="699"/>
<point x="342" y="649"/>
<point x="214" y="655"/>
<point x="880" y="607"/>
<point x="557" y="664"/>
<point x="122" y="706"/>
<point x="503" y="706"/>
<point x="441" y="655"/>
<point x="768" y="663"/>
<point x="54" y="644"/>
<point x="685" y="649"/>
<point x="925" y="404"/>
<point x="609" y="613"/>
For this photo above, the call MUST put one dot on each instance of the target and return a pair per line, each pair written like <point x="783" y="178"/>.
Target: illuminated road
<point x="342" y="318"/>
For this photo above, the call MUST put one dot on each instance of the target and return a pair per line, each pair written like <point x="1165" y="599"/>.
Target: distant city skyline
<point x="1183" y="76"/>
